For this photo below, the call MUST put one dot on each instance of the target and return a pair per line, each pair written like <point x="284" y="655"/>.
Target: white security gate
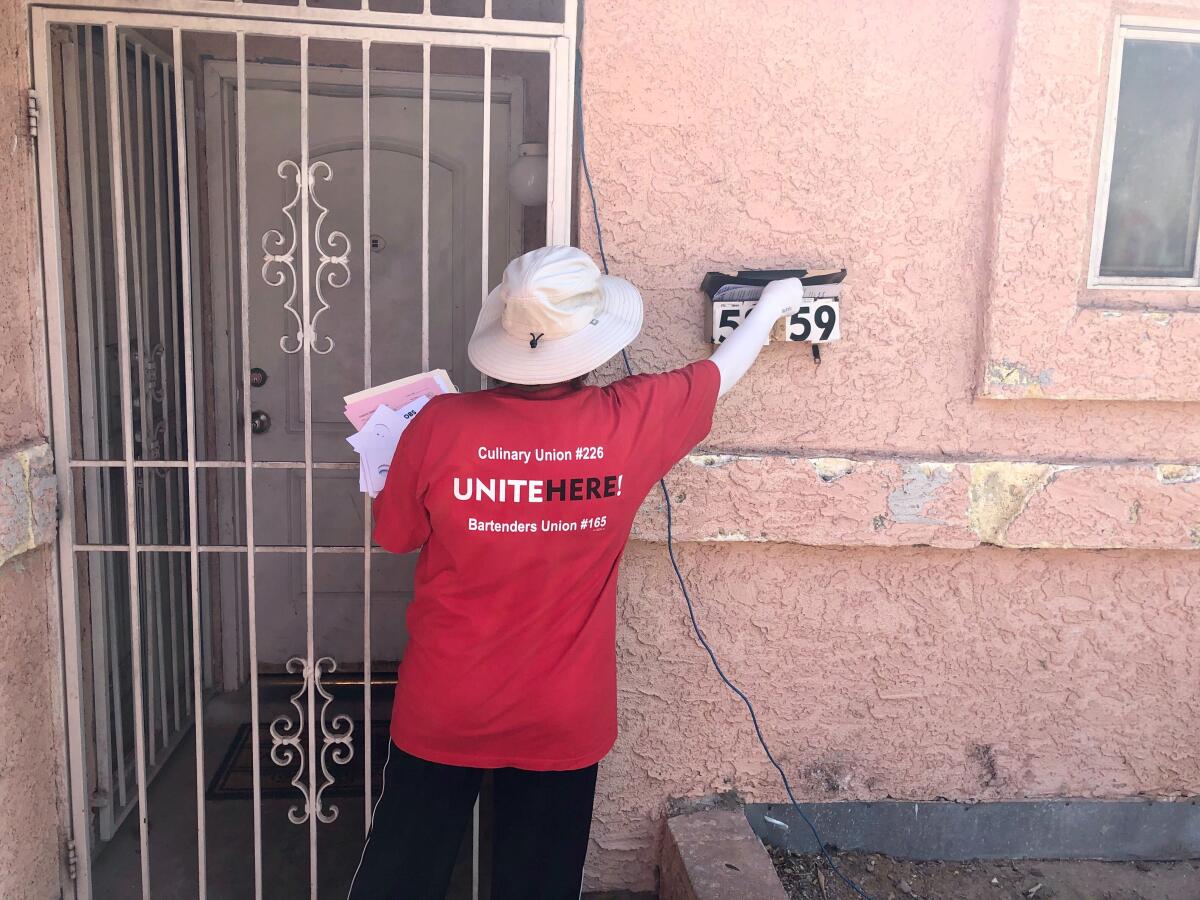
<point x="248" y="211"/>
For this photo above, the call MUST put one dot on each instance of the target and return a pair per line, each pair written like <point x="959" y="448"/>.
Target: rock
<point x="904" y="887"/>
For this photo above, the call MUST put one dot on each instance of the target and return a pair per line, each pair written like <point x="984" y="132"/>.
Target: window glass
<point x="1154" y="192"/>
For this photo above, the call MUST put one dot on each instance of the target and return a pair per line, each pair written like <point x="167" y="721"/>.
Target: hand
<point x="782" y="297"/>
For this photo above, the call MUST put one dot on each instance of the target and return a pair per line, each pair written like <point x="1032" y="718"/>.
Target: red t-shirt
<point x="521" y="503"/>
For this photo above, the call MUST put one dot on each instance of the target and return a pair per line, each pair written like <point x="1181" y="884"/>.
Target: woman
<point x="521" y="499"/>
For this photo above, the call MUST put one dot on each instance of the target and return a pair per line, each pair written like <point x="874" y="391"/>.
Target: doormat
<point x="234" y="778"/>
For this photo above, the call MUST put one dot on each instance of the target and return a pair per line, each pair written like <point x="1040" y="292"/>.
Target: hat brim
<point x="500" y="355"/>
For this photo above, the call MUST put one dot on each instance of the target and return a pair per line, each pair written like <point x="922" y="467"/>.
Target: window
<point x="1148" y="202"/>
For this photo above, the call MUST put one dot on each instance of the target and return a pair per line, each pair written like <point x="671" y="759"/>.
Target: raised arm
<point x="737" y="353"/>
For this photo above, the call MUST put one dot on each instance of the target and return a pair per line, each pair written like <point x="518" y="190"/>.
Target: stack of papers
<point x="396" y="394"/>
<point x="381" y="414"/>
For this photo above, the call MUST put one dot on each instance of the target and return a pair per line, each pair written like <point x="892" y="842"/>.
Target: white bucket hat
<point x="553" y="317"/>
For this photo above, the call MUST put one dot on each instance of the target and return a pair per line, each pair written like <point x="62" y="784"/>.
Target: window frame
<point x="1132" y="28"/>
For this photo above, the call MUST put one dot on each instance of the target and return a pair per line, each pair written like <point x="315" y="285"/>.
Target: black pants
<point x="542" y="821"/>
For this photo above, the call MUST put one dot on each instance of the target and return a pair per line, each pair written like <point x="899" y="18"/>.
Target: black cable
<point x="662" y="484"/>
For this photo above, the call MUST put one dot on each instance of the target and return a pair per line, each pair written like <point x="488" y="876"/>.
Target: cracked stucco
<point x="781" y="499"/>
<point x="922" y="481"/>
<point x="27" y="500"/>
<point x="999" y="493"/>
<point x="1014" y="375"/>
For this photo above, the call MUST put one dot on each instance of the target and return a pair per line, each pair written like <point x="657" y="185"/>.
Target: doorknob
<point x="260" y="422"/>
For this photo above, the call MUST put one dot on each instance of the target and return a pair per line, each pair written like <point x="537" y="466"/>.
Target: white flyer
<point x="376" y="442"/>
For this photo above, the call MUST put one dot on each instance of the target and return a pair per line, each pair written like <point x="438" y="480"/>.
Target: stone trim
<point x="714" y="855"/>
<point x="1057" y="828"/>
<point x="838" y="502"/>
<point x="28" y="499"/>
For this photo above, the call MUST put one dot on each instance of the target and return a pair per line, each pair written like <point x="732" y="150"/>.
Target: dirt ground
<point x="883" y="878"/>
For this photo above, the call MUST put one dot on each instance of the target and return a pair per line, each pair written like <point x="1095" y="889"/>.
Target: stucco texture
<point x="29" y="752"/>
<point x="911" y="673"/>
<point x="1071" y="341"/>
<point x="931" y="588"/>
<point x="29" y="829"/>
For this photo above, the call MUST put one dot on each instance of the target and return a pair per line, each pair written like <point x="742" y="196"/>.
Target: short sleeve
<point x="401" y="519"/>
<point x="671" y="412"/>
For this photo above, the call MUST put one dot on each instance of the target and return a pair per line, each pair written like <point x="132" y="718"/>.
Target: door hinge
<point x="71" y="859"/>
<point x="31" y="113"/>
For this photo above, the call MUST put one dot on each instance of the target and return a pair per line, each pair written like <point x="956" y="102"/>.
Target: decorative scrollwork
<point x="333" y="269"/>
<point x="154" y="449"/>
<point x="337" y="745"/>
<point x="287" y="741"/>
<point x="155" y="371"/>
<point x="279" y="259"/>
<point x="286" y="737"/>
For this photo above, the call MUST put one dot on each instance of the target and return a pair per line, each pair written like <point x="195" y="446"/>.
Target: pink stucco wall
<point x="894" y="139"/>
<point x="30" y="842"/>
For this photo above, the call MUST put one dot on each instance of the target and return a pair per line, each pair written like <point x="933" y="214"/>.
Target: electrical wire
<point x="662" y="484"/>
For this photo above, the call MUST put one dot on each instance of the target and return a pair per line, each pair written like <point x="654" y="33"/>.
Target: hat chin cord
<point x="662" y="484"/>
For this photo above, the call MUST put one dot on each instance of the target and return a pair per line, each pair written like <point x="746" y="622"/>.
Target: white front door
<point x="455" y="196"/>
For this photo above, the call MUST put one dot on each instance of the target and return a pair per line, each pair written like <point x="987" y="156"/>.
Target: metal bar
<point x="570" y="24"/>
<point x="566" y="136"/>
<point x="484" y="287"/>
<point x="151" y="487"/>
<point x="366" y="242"/>
<point x="66" y="614"/>
<point x="96" y="514"/>
<point x="247" y="445"/>
<point x="306" y="305"/>
<point x="90" y="350"/>
<point x="228" y="548"/>
<point x="169" y="494"/>
<point x="118" y="705"/>
<point x="558" y="163"/>
<point x="320" y="24"/>
<point x="552" y="154"/>
<point x="337" y="679"/>
<point x="135" y="138"/>
<point x="177" y="276"/>
<point x="106" y="492"/>
<point x="427" y="50"/>
<point x="115" y="91"/>
<point x="135" y="247"/>
<point x="315" y="16"/>
<point x="190" y="406"/>
<point x="475" y="850"/>
<point x="486" y="225"/>
<point x="206" y="464"/>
